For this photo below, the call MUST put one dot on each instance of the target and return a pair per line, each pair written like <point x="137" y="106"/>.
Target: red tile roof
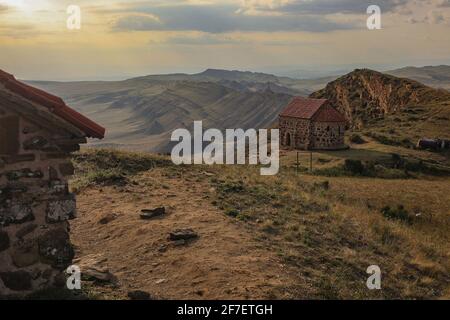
<point x="329" y="114"/>
<point x="313" y="109"/>
<point x="302" y="108"/>
<point x="55" y="105"/>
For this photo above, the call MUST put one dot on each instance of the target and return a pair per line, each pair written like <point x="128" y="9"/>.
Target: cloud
<point x="220" y="19"/>
<point x="4" y="8"/>
<point x="320" y="6"/>
<point x="200" y="39"/>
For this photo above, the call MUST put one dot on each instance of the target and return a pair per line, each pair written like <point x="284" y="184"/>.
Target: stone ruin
<point x="38" y="132"/>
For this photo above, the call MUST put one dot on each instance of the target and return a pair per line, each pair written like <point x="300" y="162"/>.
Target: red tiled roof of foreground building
<point x="312" y="109"/>
<point x="55" y="105"/>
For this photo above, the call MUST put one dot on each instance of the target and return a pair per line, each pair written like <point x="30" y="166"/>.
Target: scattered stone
<point x="182" y="234"/>
<point x="162" y="248"/>
<point x="16" y="280"/>
<point x="98" y="275"/>
<point x="108" y="218"/>
<point x="152" y="213"/>
<point x="179" y="243"/>
<point x="4" y="241"/>
<point x="160" y="281"/>
<point x="139" y="295"/>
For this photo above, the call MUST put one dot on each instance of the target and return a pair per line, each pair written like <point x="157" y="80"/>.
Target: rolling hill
<point x="140" y="113"/>
<point x="433" y="76"/>
<point x="396" y="110"/>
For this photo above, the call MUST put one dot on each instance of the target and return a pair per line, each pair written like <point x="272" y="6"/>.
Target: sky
<point x="120" y="39"/>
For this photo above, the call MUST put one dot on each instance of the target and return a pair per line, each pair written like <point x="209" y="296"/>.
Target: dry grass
<point x="328" y="230"/>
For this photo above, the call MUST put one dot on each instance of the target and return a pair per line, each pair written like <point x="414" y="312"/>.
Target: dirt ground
<point x="225" y="262"/>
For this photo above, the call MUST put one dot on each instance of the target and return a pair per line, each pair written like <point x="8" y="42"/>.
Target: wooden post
<point x="297" y="163"/>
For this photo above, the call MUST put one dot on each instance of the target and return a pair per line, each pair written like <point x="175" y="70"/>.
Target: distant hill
<point x="433" y="76"/>
<point x="140" y="113"/>
<point x="398" y="107"/>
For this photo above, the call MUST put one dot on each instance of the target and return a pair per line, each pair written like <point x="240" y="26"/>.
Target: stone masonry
<point x="311" y="124"/>
<point x="35" y="202"/>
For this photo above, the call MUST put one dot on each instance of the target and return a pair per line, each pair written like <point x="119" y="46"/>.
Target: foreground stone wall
<point x="35" y="206"/>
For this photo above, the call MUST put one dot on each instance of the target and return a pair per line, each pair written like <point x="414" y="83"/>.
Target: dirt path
<point x="224" y="262"/>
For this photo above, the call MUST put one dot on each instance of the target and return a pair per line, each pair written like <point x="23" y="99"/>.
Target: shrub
<point x="354" y="166"/>
<point x="399" y="213"/>
<point x="232" y="213"/>
<point x="357" y="139"/>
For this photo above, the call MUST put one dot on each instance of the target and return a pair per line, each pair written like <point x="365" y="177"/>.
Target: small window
<point x="9" y="135"/>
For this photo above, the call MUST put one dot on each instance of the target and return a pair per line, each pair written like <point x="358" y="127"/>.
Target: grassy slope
<point x="328" y="230"/>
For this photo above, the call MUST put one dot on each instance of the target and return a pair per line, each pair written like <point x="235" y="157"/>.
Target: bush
<point x="357" y="139"/>
<point x="354" y="166"/>
<point x="399" y="213"/>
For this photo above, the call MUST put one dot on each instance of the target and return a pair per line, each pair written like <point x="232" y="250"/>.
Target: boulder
<point x="182" y="234"/>
<point x="152" y="213"/>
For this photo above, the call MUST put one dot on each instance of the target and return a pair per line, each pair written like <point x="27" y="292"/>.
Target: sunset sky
<point x="120" y="39"/>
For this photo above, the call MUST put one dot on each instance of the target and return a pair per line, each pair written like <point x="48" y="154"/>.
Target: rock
<point x="182" y="234"/>
<point x="4" y="241"/>
<point x="61" y="210"/>
<point x="162" y="248"/>
<point x="55" y="248"/>
<point x="92" y="269"/>
<point x="108" y="218"/>
<point x="16" y="212"/>
<point x="25" y="230"/>
<point x="16" y="280"/>
<point x="139" y="295"/>
<point x="152" y="213"/>
<point x="25" y="253"/>
<point x="160" y="281"/>
<point x="98" y="275"/>
<point x="179" y="243"/>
